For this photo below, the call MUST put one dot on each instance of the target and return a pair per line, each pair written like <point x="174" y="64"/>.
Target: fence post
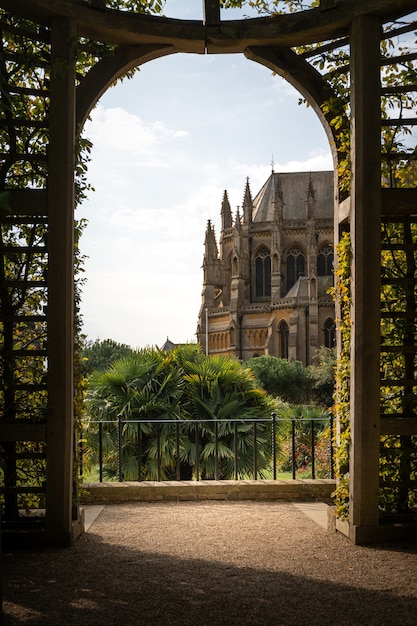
<point x="139" y="453"/>
<point x="100" y="451"/>
<point x="177" y="444"/>
<point x="216" y="445"/>
<point x="236" y="460"/>
<point x="158" y="443"/>
<point x="81" y="453"/>
<point x="119" y="448"/>
<point x="313" y="451"/>
<point x="294" y="463"/>
<point x="331" y="447"/>
<point x="197" y="452"/>
<point x="274" y="445"/>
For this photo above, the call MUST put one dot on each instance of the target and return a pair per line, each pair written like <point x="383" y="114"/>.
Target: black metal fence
<point x="299" y="442"/>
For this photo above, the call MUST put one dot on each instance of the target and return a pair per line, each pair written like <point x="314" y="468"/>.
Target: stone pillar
<point x="60" y="429"/>
<point x="366" y="263"/>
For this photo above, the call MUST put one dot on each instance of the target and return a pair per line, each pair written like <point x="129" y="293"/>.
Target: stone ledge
<point x="152" y="491"/>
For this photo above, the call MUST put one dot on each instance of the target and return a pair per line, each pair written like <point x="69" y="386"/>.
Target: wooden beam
<point x="60" y="430"/>
<point x="399" y="202"/>
<point x="211" y="12"/>
<point x="24" y="202"/>
<point x="22" y="432"/>
<point x="122" y="27"/>
<point x="365" y="220"/>
<point x="399" y="426"/>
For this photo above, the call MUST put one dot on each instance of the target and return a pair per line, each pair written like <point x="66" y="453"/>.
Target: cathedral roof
<point x="168" y="345"/>
<point x="300" y="290"/>
<point x="293" y="190"/>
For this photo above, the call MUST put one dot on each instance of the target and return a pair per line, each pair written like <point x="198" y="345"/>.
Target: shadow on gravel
<point x="97" y="583"/>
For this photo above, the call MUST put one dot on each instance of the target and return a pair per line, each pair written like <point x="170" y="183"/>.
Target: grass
<point x="92" y="476"/>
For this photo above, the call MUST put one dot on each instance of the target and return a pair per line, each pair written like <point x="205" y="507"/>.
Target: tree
<point x="322" y="377"/>
<point x="141" y="386"/>
<point x="286" y="379"/>
<point x="224" y="396"/>
<point x="99" y="355"/>
<point x="216" y="396"/>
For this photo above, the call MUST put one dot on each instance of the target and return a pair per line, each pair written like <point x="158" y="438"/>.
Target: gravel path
<point x="217" y="563"/>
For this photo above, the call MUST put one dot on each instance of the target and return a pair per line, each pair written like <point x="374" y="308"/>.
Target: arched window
<point x="295" y="266"/>
<point x="284" y="333"/>
<point x="232" y="335"/>
<point x="329" y="333"/>
<point x="325" y="261"/>
<point x="262" y="273"/>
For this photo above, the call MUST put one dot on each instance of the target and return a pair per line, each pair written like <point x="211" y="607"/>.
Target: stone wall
<point x="152" y="491"/>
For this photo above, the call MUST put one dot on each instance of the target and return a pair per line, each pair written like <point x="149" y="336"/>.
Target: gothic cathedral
<point x="266" y="287"/>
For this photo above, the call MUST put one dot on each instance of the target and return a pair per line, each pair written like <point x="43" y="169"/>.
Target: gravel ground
<point x="211" y="563"/>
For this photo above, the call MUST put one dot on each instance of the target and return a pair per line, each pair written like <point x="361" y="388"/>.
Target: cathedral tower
<point x="266" y="289"/>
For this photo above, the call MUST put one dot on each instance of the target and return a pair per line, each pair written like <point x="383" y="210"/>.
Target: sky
<point x="167" y="143"/>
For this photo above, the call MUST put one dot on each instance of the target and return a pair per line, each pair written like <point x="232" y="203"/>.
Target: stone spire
<point x="238" y="223"/>
<point x="226" y="212"/>
<point x="276" y="236"/>
<point x="210" y="244"/>
<point x="311" y="198"/>
<point x="247" y="204"/>
<point x="277" y="198"/>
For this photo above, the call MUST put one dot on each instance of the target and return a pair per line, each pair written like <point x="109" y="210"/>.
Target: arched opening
<point x="283" y="337"/>
<point x="329" y="332"/>
<point x="262" y="272"/>
<point x="294" y="264"/>
<point x="155" y="189"/>
<point x="325" y="259"/>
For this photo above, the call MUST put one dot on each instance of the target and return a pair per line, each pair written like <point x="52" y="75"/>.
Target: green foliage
<point x="398" y="458"/>
<point x="139" y="386"/>
<point x="100" y="355"/>
<point x="285" y="379"/>
<point x="298" y="424"/>
<point x="219" y="388"/>
<point x="322" y="377"/>
<point x="138" y="6"/>
<point x="185" y="384"/>
<point x="341" y="406"/>
<point x="272" y="7"/>
<point x="24" y="258"/>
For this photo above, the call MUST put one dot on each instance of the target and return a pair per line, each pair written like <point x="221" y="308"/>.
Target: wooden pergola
<point x="65" y="26"/>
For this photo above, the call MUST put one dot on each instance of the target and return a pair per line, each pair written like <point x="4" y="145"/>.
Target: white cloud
<point x="317" y="161"/>
<point x="115" y="130"/>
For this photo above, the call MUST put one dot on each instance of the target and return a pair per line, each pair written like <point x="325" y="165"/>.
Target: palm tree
<point x="222" y="400"/>
<point x="218" y="398"/>
<point x="137" y="388"/>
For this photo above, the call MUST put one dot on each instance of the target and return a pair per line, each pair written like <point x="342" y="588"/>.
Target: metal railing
<point x="275" y="424"/>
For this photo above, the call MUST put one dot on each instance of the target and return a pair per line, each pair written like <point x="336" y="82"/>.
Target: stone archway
<point x="138" y="39"/>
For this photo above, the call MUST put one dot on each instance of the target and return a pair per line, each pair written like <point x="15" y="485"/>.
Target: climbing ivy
<point x="272" y="7"/>
<point x="341" y="408"/>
